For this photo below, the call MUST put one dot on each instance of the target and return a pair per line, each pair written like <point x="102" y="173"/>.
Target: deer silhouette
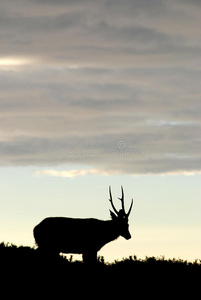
<point x="83" y="236"/>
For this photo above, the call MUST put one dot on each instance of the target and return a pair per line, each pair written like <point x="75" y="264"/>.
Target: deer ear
<point x="113" y="216"/>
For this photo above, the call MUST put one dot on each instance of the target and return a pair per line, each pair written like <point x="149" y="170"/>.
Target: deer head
<point x="121" y="217"/>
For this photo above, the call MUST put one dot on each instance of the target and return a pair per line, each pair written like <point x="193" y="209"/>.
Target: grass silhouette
<point x="23" y="266"/>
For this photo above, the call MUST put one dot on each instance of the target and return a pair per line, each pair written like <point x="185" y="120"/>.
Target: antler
<point x="122" y="203"/>
<point x="122" y="200"/>
<point x="112" y="202"/>
<point x="128" y="213"/>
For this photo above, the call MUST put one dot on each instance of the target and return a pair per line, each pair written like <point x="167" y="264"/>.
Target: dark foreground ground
<point x="26" y="274"/>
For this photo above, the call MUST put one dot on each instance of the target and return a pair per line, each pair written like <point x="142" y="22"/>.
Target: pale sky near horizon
<point x="99" y="93"/>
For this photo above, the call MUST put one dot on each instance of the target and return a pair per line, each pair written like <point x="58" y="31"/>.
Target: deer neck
<point x="112" y="231"/>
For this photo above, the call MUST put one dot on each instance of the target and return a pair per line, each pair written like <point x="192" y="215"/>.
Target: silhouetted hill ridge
<point x="23" y="266"/>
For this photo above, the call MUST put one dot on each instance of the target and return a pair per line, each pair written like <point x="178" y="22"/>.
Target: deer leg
<point x="90" y="257"/>
<point x="48" y="253"/>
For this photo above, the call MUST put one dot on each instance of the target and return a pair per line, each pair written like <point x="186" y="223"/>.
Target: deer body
<point x="68" y="235"/>
<point x="82" y="236"/>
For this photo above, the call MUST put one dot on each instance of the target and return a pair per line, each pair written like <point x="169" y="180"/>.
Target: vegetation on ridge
<point x="12" y="254"/>
<point x="25" y="267"/>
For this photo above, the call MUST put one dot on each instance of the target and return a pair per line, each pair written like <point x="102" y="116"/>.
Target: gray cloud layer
<point x="96" y="73"/>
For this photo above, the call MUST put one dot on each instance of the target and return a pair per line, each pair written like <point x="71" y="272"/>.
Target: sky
<point x="100" y="93"/>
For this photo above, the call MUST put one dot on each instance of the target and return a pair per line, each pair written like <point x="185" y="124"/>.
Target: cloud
<point x="71" y="173"/>
<point x="91" y="33"/>
<point x="83" y="172"/>
<point x="98" y="73"/>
